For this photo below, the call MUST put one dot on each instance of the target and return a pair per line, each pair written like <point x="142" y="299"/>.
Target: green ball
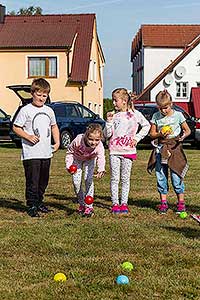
<point x="183" y="215"/>
<point x="127" y="266"/>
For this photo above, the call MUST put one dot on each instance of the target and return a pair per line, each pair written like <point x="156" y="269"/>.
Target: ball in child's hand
<point x="127" y="266"/>
<point x="183" y="215"/>
<point x="166" y="129"/>
<point x="72" y="169"/>
<point x="122" y="279"/>
<point x="59" y="277"/>
<point x="89" y="200"/>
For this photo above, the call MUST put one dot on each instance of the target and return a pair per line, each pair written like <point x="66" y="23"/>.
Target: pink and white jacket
<point x="123" y="129"/>
<point x="78" y="150"/>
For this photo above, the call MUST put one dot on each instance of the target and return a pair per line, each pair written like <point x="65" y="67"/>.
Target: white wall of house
<point x="191" y="78"/>
<point x="156" y="60"/>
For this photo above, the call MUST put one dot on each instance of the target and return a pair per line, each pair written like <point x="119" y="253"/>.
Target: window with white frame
<point x="93" y="70"/>
<point x="198" y="84"/>
<point x="95" y="108"/>
<point x="42" y="66"/>
<point x="181" y="89"/>
<point x="100" y="109"/>
<point x="90" y="105"/>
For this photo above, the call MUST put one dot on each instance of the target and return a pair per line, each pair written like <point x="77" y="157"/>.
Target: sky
<point x="117" y="23"/>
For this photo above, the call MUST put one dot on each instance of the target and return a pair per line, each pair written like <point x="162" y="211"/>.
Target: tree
<point x="30" y="11"/>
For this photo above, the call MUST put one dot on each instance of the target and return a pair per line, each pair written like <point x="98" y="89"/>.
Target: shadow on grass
<point x="144" y="203"/>
<point x="60" y="206"/>
<point x="7" y="145"/>
<point x="192" y="233"/>
<point x="14" y="204"/>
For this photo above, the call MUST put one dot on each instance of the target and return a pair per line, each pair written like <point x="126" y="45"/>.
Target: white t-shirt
<point x="38" y="121"/>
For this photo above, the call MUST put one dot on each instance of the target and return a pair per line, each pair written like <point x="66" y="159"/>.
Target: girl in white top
<point x="122" y="131"/>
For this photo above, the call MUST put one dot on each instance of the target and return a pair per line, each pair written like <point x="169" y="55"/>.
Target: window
<point x="198" y="84"/>
<point x="181" y="89"/>
<point x="90" y="105"/>
<point x="42" y="67"/>
<point x="99" y="109"/>
<point x="93" y="70"/>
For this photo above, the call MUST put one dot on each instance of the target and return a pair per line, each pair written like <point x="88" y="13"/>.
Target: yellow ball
<point x="59" y="277"/>
<point x="127" y="266"/>
<point x="166" y="128"/>
<point x="183" y="215"/>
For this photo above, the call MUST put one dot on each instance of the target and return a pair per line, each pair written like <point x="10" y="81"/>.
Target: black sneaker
<point x="44" y="209"/>
<point x="33" y="212"/>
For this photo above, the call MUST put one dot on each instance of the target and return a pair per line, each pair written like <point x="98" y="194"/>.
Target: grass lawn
<point x="164" y="249"/>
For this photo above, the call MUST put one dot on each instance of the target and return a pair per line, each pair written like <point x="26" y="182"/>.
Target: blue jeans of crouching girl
<point x="162" y="178"/>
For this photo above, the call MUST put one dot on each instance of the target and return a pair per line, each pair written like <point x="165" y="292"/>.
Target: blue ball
<point x="122" y="279"/>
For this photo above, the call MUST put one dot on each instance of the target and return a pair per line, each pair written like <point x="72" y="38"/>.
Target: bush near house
<point x="164" y="249"/>
<point x="107" y="106"/>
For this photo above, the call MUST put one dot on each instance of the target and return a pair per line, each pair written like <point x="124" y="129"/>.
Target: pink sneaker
<point x="180" y="207"/>
<point x="163" y="207"/>
<point x="89" y="211"/>
<point x="124" y="209"/>
<point x="115" y="209"/>
<point x="81" y="209"/>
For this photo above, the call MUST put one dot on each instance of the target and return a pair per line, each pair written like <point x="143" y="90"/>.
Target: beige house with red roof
<point x="166" y="56"/>
<point x="64" y="49"/>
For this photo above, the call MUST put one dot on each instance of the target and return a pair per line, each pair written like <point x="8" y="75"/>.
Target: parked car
<point x="148" y="109"/>
<point x="72" y="117"/>
<point x="4" y="126"/>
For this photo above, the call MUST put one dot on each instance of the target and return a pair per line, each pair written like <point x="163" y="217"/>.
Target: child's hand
<point x="109" y="116"/>
<point x="99" y="174"/>
<point x="55" y="147"/>
<point x="33" y="139"/>
<point x="182" y="138"/>
<point x="133" y="143"/>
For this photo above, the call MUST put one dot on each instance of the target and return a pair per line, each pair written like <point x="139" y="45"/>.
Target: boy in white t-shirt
<point x="35" y="123"/>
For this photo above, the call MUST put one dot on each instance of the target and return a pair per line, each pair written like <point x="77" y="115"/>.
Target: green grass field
<point x="164" y="249"/>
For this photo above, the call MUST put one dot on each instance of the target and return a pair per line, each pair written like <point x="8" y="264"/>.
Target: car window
<point x="71" y="111"/>
<point x="147" y="112"/>
<point x="2" y="115"/>
<point x="85" y="113"/>
<point x="59" y="110"/>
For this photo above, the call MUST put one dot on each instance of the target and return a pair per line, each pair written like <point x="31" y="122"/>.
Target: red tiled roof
<point x="144" y="95"/>
<point x="177" y="36"/>
<point x="195" y="98"/>
<point x="52" y="32"/>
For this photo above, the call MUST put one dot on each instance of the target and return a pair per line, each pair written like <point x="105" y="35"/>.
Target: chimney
<point x="2" y="13"/>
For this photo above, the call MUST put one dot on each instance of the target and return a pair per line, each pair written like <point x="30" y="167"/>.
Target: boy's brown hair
<point x="40" y="84"/>
<point x="94" y="127"/>
<point x="163" y="98"/>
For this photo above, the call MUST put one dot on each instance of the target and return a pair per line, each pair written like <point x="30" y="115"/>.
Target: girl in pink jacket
<point x="122" y="131"/>
<point x="85" y="151"/>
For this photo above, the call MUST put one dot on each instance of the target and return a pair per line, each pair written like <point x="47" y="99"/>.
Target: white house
<point x="166" y="56"/>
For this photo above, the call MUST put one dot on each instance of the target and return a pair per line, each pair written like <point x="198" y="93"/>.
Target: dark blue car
<point x="72" y="117"/>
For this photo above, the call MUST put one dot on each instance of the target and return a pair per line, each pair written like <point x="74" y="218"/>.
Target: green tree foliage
<point x="107" y="106"/>
<point x="30" y="11"/>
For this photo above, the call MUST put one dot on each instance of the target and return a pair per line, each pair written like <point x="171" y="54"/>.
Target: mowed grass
<point x="164" y="249"/>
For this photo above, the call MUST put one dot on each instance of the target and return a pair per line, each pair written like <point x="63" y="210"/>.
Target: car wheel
<point x="66" y="139"/>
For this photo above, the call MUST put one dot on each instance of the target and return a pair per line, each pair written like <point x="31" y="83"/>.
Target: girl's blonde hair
<point x="163" y="97"/>
<point x="94" y="127"/>
<point x="124" y="95"/>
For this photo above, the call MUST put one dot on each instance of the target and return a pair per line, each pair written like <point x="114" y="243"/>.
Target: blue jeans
<point x="162" y="178"/>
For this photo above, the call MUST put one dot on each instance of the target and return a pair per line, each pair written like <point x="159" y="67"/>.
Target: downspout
<point x="82" y="92"/>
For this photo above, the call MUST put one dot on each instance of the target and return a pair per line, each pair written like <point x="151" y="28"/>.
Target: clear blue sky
<point x="117" y="23"/>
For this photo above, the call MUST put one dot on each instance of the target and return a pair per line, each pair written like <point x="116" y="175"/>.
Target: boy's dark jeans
<point x="37" y="177"/>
